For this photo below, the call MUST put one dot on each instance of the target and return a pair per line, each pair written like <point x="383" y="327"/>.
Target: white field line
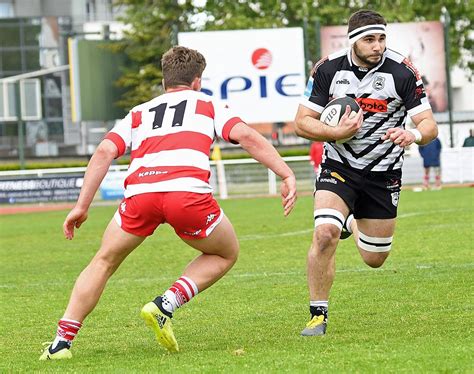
<point x="244" y="238"/>
<point x="302" y="273"/>
<point x="295" y="233"/>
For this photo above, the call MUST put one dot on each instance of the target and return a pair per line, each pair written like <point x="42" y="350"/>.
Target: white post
<point x="221" y="181"/>
<point x="272" y="186"/>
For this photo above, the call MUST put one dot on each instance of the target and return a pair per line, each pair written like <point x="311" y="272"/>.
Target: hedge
<point x="125" y="161"/>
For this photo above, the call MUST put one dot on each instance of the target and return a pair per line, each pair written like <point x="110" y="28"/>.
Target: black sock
<point x="318" y="311"/>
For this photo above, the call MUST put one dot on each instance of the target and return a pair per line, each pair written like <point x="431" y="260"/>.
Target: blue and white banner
<point x="36" y="190"/>
<point x="259" y="73"/>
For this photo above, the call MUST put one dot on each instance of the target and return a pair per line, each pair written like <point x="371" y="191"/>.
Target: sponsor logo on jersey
<point x="195" y="233"/>
<point x="419" y="91"/>
<point x="123" y="206"/>
<point x="395" y="197"/>
<point x="343" y="81"/>
<point x="412" y="68"/>
<point x="372" y="105"/>
<point x="336" y="175"/>
<point x="328" y="180"/>
<point x="210" y="217"/>
<point x="151" y="172"/>
<point x="379" y="83"/>
<point x="393" y="184"/>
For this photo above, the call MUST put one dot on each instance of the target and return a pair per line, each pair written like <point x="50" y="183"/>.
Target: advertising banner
<point x="421" y="42"/>
<point x="259" y="73"/>
<point x="36" y="190"/>
<point x="112" y="187"/>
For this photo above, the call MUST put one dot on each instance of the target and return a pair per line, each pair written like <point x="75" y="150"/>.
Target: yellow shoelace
<point x="315" y="321"/>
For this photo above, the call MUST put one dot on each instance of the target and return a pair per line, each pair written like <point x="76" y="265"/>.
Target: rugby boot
<point x="315" y="327"/>
<point x="60" y="352"/>
<point x="160" y="322"/>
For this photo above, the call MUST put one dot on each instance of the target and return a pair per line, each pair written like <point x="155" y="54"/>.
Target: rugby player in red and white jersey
<point x="170" y="138"/>
<point x="357" y="190"/>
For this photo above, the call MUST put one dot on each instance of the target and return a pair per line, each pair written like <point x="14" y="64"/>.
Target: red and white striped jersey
<point x="170" y="138"/>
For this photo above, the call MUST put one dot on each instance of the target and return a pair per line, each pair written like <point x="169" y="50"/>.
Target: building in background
<point x="33" y="36"/>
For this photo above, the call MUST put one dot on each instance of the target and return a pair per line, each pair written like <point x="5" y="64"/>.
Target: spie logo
<point x="262" y="58"/>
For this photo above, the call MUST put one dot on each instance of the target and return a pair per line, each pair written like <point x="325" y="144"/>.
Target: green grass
<point x="415" y="314"/>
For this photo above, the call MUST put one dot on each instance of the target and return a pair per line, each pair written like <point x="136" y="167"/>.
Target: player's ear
<point x="163" y="84"/>
<point x="196" y="84"/>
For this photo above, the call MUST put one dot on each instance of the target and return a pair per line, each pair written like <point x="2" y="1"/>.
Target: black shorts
<point x="372" y="194"/>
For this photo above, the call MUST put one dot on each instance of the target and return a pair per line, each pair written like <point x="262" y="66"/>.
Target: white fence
<point x="232" y="178"/>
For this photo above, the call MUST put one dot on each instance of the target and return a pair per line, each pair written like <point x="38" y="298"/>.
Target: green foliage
<point x="155" y="23"/>
<point x="44" y="165"/>
<point x="413" y="315"/>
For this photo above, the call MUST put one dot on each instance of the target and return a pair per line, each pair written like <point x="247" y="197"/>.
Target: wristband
<point x="417" y="135"/>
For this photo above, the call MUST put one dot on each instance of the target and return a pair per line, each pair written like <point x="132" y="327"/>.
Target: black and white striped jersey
<point x="386" y="93"/>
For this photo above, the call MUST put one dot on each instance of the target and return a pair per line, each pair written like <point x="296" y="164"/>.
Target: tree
<point x="153" y="23"/>
<point x="152" y="30"/>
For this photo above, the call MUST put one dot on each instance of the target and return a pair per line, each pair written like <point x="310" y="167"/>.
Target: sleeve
<point x="121" y="133"/>
<point x="413" y="91"/>
<point x="316" y="94"/>
<point x="224" y="120"/>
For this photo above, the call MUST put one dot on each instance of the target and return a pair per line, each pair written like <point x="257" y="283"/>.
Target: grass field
<point x="413" y="315"/>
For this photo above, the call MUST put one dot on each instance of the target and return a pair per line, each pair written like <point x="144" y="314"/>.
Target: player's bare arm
<point x="95" y="173"/>
<point x="426" y="130"/>
<point x="310" y="127"/>
<point x="262" y="151"/>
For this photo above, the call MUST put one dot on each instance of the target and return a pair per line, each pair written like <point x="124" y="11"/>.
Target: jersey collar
<point x="382" y="60"/>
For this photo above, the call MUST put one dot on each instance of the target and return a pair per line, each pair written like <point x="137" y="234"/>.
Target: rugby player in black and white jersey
<point x="357" y="190"/>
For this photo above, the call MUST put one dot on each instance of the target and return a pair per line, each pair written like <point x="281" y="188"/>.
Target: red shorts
<point x="192" y="215"/>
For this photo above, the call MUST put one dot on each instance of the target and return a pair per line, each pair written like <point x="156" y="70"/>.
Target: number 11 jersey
<point x="170" y="139"/>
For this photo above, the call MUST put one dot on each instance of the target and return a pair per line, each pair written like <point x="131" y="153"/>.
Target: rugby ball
<point x="335" y="109"/>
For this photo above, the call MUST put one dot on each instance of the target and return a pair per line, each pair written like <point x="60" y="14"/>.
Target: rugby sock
<point x="426" y="180"/>
<point x="183" y="290"/>
<point x="319" y="307"/>
<point x="67" y="331"/>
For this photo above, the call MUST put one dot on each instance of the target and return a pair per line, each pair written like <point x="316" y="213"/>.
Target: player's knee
<point x="234" y="254"/>
<point x="328" y="224"/>
<point x="326" y="237"/>
<point x="375" y="260"/>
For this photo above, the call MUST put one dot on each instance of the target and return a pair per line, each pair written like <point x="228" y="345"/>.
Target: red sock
<point x="426" y="181"/>
<point x="183" y="290"/>
<point x="68" y="329"/>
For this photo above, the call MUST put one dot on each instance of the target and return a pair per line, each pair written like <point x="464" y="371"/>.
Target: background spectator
<point x="431" y="160"/>
<point x="469" y="141"/>
<point x="316" y="155"/>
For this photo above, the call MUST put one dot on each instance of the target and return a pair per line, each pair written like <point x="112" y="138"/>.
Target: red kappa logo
<point x="261" y="58"/>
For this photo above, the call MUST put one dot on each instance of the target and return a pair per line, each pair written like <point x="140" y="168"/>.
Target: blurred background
<point x="70" y="69"/>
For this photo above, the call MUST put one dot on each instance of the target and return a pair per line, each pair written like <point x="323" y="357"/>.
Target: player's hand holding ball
<point x="345" y="115"/>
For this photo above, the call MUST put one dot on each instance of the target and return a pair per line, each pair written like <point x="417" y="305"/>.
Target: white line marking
<point x="244" y="238"/>
<point x="301" y="273"/>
